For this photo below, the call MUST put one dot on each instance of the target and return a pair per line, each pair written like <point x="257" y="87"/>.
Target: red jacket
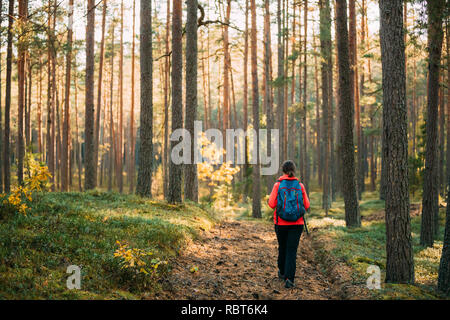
<point x="273" y="203"/>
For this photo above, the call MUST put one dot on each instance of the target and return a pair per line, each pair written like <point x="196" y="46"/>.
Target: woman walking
<point x="290" y="201"/>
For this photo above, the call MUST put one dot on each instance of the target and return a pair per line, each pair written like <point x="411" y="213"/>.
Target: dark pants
<point x="288" y="240"/>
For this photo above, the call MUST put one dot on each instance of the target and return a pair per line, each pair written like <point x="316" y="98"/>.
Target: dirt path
<point x="237" y="260"/>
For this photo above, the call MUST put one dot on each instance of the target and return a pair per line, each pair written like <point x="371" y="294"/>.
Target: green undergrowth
<point x="82" y="229"/>
<point x="362" y="247"/>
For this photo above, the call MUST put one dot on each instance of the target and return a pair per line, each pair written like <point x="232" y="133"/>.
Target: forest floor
<point x="211" y="254"/>
<point x="238" y="260"/>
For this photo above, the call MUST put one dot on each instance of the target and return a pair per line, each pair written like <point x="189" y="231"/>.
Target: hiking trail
<point x="237" y="260"/>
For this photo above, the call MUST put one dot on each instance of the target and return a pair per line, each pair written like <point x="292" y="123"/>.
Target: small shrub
<point x="36" y="179"/>
<point x="140" y="267"/>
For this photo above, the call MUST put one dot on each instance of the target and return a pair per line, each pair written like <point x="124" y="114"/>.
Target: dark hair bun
<point x="289" y="168"/>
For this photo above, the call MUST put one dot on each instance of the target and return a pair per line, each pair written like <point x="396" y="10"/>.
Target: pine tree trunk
<point x="226" y="72"/>
<point x="111" y="114"/>
<point x="54" y="103"/>
<point x="430" y="200"/>
<point x="132" y="159"/>
<point x="99" y="89"/>
<point x="246" y="172"/>
<point x="90" y="164"/>
<point x="444" y="268"/>
<point x="346" y="113"/>
<point x="49" y="141"/>
<point x="144" y="185"/>
<point x="354" y="88"/>
<point x="318" y="119"/>
<point x="1" y="111"/>
<point x="21" y="61"/>
<point x="28" y="137"/>
<point x="190" y="178"/>
<point x="77" y="132"/>
<point x="447" y="34"/>
<point x="325" y="46"/>
<point x="6" y="141"/>
<point x="39" y="113"/>
<point x="256" y="204"/>
<point x="166" y="104"/>
<point x="400" y="263"/>
<point x="120" y="144"/>
<point x="175" y="174"/>
<point x="441" y="143"/>
<point x="65" y="143"/>
<point x="268" y="101"/>
<point x="305" y="99"/>
<point x="280" y="84"/>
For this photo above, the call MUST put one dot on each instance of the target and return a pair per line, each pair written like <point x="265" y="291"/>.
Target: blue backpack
<point x="290" y="205"/>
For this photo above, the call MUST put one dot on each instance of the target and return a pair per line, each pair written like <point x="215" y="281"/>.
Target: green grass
<point x="82" y="229"/>
<point x="361" y="247"/>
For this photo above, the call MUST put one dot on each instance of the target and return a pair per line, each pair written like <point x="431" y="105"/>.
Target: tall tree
<point x="325" y="46"/>
<point x="305" y="96"/>
<point x="6" y="141"/>
<point x="280" y="82"/>
<point x="111" y="115"/>
<point x="99" y="88"/>
<point x="226" y="70"/>
<point x="346" y="113"/>
<point x="444" y="268"/>
<point x="353" y="81"/>
<point x="120" y="143"/>
<point x="21" y="61"/>
<point x="144" y="185"/>
<point x="66" y="122"/>
<point x="256" y="206"/>
<point x="430" y="211"/>
<point x="175" y="173"/>
<point x="50" y="150"/>
<point x="245" y="102"/>
<point x="268" y="96"/>
<point x="190" y="171"/>
<point x="131" y="161"/>
<point x="90" y="164"/>
<point x="447" y="34"/>
<point x="1" y="97"/>
<point x="399" y="252"/>
<point x="166" y="103"/>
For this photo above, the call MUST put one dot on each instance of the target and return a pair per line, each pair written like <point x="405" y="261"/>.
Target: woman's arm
<point x="273" y="196"/>
<point x="305" y="197"/>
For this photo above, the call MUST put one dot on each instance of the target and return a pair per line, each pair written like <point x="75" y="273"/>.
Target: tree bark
<point x="399" y="252"/>
<point x="430" y="200"/>
<point x="144" y="185"/>
<point x="65" y="143"/>
<point x="305" y="99"/>
<point x="280" y="83"/>
<point x="190" y="178"/>
<point x="6" y="141"/>
<point x="175" y="174"/>
<point x="268" y="97"/>
<point x="447" y="34"/>
<point x="256" y="204"/>
<point x="444" y="268"/>
<point x="90" y="164"/>
<point x="346" y="113"/>
<point x="166" y="104"/>
<point x="21" y="61"/>
<point x="325" y="45"/>
<point x="99" y="89"/>
<point x="132" y="159"/>
<point x="1" y="111"/>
